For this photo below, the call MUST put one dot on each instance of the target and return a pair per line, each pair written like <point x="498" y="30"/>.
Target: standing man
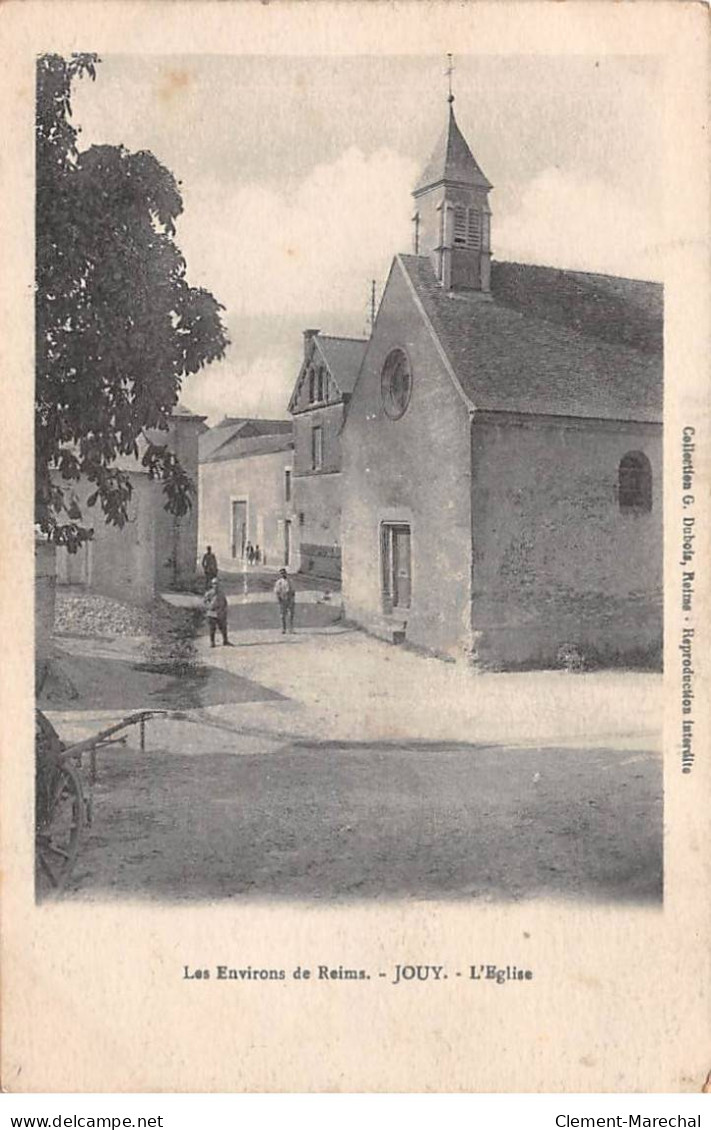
<point x="215" y="603"/>
<point x="209" y="566"/>
<point x="285" y="594"/>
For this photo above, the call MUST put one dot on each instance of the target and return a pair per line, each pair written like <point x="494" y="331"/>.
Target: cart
<point x="62" y="804"/>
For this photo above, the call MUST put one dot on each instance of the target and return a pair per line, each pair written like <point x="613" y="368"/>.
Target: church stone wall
<point x="413" y="470"/>
<point x="556" y="562"/>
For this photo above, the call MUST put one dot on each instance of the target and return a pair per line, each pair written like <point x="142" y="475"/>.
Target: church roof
<point x="550" y="342"/>
<point x="452" y="160"/>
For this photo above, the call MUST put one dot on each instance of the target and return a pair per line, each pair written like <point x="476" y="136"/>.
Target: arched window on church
<point x="634" y="482"/>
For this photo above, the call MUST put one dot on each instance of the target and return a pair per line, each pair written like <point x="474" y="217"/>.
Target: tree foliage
<point x="117" y="325"/>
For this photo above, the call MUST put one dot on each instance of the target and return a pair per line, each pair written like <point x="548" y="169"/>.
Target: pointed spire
<point x="452" y="160"/>
<point x="449" y="72"/>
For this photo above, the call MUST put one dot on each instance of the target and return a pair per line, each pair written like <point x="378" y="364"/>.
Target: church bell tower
<point x="452" y="216"/>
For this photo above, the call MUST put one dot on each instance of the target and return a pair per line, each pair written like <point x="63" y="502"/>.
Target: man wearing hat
<point x="284" y="592"/>
<point x="209" y="566"/>
<point x="215" y="603"/>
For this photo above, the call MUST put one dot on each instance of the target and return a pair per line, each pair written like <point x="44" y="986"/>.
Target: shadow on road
<point x="326" y="822"/>
<point x="98" y="683"/>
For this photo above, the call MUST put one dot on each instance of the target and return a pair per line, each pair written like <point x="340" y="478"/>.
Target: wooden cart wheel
<point x="59" y="836"/>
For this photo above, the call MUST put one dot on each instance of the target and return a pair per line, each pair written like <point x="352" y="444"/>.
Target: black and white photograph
<point x="358" y="542"/>
<point x="349" y="457"/>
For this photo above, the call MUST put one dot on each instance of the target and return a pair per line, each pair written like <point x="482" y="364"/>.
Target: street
<point x="327" y="765"/>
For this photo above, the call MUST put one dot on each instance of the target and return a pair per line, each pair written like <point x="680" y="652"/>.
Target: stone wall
<point x="317" y="514"/>
<point x="556" y="561"/>
<point x="330" y="419"/>
<point x="118" y="562"/>
<point x="259" y="481"/>
<point x="177" y="537"/>
<point x="317" y="492"/>
<point x="45" y="582"/>
<point x="413" y="470"/>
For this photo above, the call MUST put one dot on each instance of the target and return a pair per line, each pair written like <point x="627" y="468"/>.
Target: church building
<point x="502" y="453"/>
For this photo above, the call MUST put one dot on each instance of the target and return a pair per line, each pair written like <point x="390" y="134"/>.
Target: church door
<point x="396" y="566"/>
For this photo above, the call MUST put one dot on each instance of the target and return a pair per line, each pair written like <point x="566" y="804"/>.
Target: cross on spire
<point x="449" y="72"/>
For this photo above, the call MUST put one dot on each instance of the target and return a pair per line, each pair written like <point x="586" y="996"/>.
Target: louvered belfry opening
<point x="452" y="214"/>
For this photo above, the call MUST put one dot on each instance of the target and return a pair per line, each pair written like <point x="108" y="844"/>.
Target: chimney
<point x="308" y="335"/>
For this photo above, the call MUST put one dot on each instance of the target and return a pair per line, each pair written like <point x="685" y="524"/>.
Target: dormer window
<point x="320" y="384"/>
<point x="312" y="386"/>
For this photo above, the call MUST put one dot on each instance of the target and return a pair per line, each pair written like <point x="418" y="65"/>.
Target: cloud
<point x="281" y="259"/>
<point x="260" y="387"/>
<point x="305" y="249"/>
<point x="565" y="219"/>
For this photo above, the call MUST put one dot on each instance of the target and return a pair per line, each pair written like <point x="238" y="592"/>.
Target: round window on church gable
<point x="396" y="383"/>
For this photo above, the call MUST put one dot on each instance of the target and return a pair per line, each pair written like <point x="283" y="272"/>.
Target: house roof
<point x="240" y="447"/>
<point x="343" y="356"/>
<point x="233" y="426"/>
<point x="182" y="410"/>
<point x="452" y="160"/>
<point x="257" y="425"/>
<point x="549" y="342"/>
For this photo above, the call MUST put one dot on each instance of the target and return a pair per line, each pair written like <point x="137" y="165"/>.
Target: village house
<point x="245" y="492"/>
<point x="318" y="405"/>
<point x="502" y="454"/>
<point x="154" y="551"/>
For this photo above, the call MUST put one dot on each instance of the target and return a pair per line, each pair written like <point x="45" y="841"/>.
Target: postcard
<point x="356" y="530"/>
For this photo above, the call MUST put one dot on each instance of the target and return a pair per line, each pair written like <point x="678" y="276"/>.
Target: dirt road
<point x="329" y="766"/>
<point x="310" y="821"/>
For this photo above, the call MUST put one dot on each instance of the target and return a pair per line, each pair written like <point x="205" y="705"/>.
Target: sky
<point x="296" y="175"/>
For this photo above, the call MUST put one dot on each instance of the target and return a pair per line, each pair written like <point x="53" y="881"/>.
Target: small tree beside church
<point x="118" y="327"/>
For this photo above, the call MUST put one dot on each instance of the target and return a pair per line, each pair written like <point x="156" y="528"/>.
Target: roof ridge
<point x="343" y="337"/>
<point x="576" y="271"/>
<point x="507" y="358"/>
<point x="435" y="334"/>
<point x="233" y="421"/>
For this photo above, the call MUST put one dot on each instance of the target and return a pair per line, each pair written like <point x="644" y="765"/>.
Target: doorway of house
<point x="239" y="528"/>
<point x="287" y="542"/>
<point x="75" y="568"/>
<point x="396" y="566"/>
